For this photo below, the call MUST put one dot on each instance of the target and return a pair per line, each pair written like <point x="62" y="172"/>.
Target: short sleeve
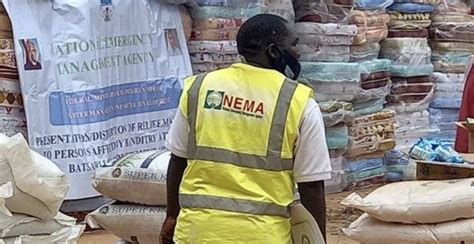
<point x="312" y="162"/>
<point x="183" y="101"/>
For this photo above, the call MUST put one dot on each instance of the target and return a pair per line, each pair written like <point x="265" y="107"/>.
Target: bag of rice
<point x="418" y="201"/>
<point x="38" y="185"/>
<point x="67" y="235"/>
<point x="133" y="223"/>
<point x="20" y="224"/>
<point x="369" y="230"/>
<point x="137" y="178"/>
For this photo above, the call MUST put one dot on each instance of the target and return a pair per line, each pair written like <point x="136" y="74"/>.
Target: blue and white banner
<point x="100" y="79"/>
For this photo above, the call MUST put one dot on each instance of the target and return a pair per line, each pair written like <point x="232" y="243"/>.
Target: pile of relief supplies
<point x="12" y="113"/>
<point x="339" y="46"/>
<point x="137" y="183"/>
<point x="452" y="41"/>
<point x="415" y="212"/>
<point x="412" y="89"/>
<point x="215" y="25"/>
<point x="32" y="189"/>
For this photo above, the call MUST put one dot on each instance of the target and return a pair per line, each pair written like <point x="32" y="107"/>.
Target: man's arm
<point x="313" y="199"/>
<point x="176" y="169"/>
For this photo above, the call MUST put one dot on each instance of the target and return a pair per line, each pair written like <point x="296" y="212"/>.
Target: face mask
<point x="287" y="65"/>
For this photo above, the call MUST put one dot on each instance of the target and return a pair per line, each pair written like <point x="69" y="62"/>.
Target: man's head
<point x="269" y="41"/>
<point x="32" y="51"/>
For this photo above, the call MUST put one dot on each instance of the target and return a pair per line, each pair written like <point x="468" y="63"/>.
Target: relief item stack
<point x="215" y="25"/>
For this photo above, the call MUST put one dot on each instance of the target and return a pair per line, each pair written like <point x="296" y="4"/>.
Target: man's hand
<point x="167" y="231"/>
<point x="314" y="200"/>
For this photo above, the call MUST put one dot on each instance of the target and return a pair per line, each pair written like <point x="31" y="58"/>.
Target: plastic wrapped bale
<point x="369" y="107"/>
<point x="406" y="51"/>
<point x="117" y="219"/>
<point x="336" y="184"/>
<point x="211" y="55"/>
<point x="337" y="137"/>
<point x="409" y="106"/>
<point x="130" y="178"/>
<point x="69" y="235"/>
<point x="325" y="34"/>
<point x="409" y="21"/>
<point x="411" y="8"/>
<point x="335" y="112"/>
<point x="364" y="52"/>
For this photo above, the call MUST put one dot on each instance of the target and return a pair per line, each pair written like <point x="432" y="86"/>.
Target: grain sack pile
<point x="138" y="183"/>
<point x="451" y="34"/>
<point x="215" y="26"/>
<point x="32" y="189"/>
<point x="12" y="114"/>
<point x="415" y="212"/>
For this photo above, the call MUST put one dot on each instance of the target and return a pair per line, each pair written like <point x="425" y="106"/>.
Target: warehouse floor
<point x="338" y="218"/>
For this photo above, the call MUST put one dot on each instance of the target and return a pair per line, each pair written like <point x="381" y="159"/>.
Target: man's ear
<point x="273" y="52"/>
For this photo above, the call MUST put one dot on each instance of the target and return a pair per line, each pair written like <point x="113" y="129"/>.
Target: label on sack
<point x="418" y="201"/>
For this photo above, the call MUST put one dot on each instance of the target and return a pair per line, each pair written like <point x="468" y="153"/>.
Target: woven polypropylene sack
<point x="38" y="186"/>
<point x="418" y="201"/>
<point x="133" y="223"/>
<point x="137" y="178"/>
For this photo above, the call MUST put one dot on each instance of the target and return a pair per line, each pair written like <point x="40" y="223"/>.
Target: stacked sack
<point x="415" y="212"/>
<point x="32" y="189"/>
<point x="216" y="22"/>
<point x="138" y="183"/>
<point x="12" y="114"/>
<point x="452" y="41"/>
<point x="412" y="88"/>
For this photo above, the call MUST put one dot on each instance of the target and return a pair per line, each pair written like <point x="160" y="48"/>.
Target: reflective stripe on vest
<point x="233" y="205"/>
<point x="272" y="161"/>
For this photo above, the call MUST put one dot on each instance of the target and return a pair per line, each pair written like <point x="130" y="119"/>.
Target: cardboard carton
<point x="430" y="170"/>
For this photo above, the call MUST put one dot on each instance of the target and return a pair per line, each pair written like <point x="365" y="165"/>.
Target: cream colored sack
<point x="67" y="235"/>
<point x="369" y="230"/>
<point x="20" y="224"/>
<point x="133" y="223"/>
<point x="137" y="178"/>
<point x="38" y="185"/>
<point x="418" y="201"/>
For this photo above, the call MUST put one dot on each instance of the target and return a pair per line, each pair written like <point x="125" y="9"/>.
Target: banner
<point x="100" y="79"/>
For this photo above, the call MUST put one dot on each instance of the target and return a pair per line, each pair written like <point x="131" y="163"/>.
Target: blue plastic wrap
<point x="395" y="157"/>
<point x="372" y="4"/>
<point x="337" y="137"/>
<point x="446" y="103"/>
<point x="411" y="70"/>
<point x="361" y="165"/>
<point x="411" y="8"/>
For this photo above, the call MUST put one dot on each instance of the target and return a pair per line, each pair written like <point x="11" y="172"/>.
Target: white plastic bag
<point x="418" y="201"/>
<point x="39" y="186"/>
<point x="67" y="235"/>
<point x="20" y="224"/>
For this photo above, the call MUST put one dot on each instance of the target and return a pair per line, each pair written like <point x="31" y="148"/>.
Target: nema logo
<point x="214" y="99"/>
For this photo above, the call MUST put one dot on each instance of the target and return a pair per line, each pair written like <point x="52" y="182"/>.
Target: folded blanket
<point x="214" y="35"/>
<point x="217" y="23"/>
<point x="430" y="2"/>
<point x="213" y="58"/>
<point x="369" y="107"/>
<point x="411" y="80"/>
<point x="364" y="52"/>
<point x="323" y="53"/>
<point x="450" y="63"/>
<point x="228" y="47"/>
<point x="410" y="107"/>
<point x="407" y="98"/>
<point x="365" y="4"/>
<point x="411" y="8"/>
<point x="452" y="31"/>
<point x="458" y="18"/>
<point x="447" y="78"/>
<point x="460" y="47"/>
<point x="373" y="84"/>
<point x="370" y="35"/>
<point x="446" y="115"/>
<point x="368" y="18"/>
<point x="325" y="29"/>
<point x="375" y="76"/>
<point x="337" y="137"/>
<point x="325" y="40"/>
<point x="408" y="88"/>
<point x="362" y="165"/>
<point x="446" y="102"/>
<point x="452" y="7"/>
<point x="418" y="33"/>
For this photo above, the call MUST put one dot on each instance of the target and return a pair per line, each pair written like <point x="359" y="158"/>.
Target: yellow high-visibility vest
<point x="239" y="183"/>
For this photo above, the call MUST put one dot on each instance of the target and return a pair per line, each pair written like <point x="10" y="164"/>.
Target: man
<point x="240" y="139"/>
<point x="467" y="109"/>
<point x="31" y="62"/>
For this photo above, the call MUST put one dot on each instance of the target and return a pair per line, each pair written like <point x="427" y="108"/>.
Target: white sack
<point x="133" y="223"/>
<point x="369" y="230"/>
<point x="39" y="186"/>
<point x="137" y="178"/>
<point x="418" y="201"/>
<point x="67" y="235"/>
<point x="20" y="224"/>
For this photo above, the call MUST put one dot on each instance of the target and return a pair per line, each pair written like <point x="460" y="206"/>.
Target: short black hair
<point x="260" y="31"/>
